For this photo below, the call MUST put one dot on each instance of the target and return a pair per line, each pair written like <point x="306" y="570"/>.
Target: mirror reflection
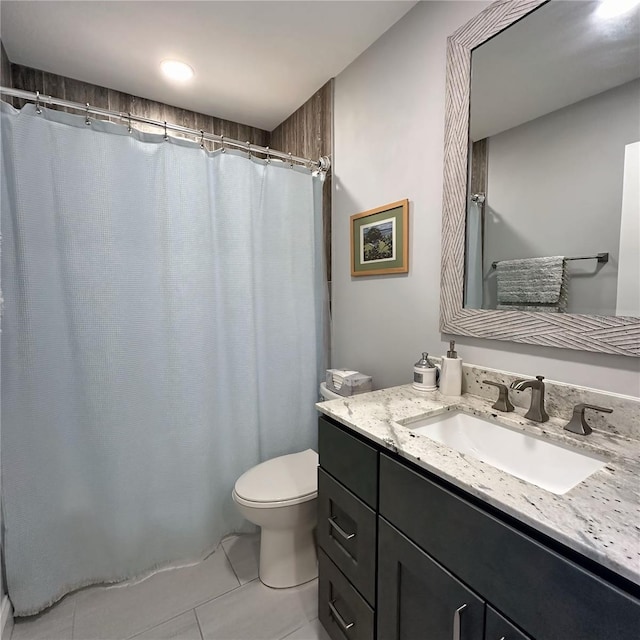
<point x="553" y="216"/>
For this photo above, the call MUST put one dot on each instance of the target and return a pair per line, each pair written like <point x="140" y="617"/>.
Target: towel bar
<point x="602" y="258"/>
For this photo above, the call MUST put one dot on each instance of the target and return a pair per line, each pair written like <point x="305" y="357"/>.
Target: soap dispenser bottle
<point x="425" y="375"/>
<point x="451" y="376"/>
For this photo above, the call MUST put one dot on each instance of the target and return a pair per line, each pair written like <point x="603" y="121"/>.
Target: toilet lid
<point x="280" y="479"/>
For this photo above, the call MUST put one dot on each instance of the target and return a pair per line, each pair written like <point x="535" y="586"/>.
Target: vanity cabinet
<point x="425" y="560"/>
<point x="546" y="594"/>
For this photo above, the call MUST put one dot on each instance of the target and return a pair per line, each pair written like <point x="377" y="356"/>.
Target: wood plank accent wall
<point x="479" y="168"/>
<point x="308" y="132"/>
<point x="29" y="79"/>
<point x="5" y="68"/>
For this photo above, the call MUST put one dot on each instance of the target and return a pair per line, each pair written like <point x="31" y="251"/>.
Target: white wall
<point x="554" y="188"/>
<point x="389" y="133"/>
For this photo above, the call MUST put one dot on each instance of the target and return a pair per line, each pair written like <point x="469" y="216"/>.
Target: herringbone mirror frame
<point x="607" y="334"/>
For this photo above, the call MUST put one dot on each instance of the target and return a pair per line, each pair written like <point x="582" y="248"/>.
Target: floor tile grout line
<point x="73" y="619"/>
<point x="191" y="608"/>
<point x="139" y="633"/>
<point x="296" y="629"/>
<point x="201" y="604"/>
<point x="195" y="613"/>
<point x="226" y="555"/>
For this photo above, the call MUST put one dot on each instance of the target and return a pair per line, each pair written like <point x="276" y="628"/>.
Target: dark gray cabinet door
<point x="543" y="592"/>
<point x="417" y="598"/>
<point x="498" y="628"/>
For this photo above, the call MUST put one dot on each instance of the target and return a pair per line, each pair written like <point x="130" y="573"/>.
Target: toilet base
<point x="287" y="557"/>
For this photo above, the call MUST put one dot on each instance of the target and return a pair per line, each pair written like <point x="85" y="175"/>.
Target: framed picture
<point x="380" y="240"/>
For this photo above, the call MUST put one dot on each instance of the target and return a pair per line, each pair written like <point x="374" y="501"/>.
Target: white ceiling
<point x="560" y="54"/>
<point x="255" y="62"/>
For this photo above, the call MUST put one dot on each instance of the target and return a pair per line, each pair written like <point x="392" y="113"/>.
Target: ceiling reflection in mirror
<point x="553" y="215"/>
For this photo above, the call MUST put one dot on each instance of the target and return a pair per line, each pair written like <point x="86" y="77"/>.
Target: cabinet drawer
<point x="341" y="609"/>
<point x="420" y="599"/>
<point x="499" y="628"/>
<point x="549" y="596"/>
<point x="349" y="460"/>
<point x="347" y="533"/>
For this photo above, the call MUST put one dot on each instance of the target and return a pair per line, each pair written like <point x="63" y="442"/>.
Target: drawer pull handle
<point x="338" y="618"/>
<point x="456" y="622"/>
<point x="340" y="530"/>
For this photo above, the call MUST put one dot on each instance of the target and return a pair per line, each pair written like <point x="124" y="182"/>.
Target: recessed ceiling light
<point x="612" y="8"/>
<point x="176" y="70"/>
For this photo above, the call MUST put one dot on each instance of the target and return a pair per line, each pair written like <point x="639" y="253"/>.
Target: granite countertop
<point x="599" y="517"/>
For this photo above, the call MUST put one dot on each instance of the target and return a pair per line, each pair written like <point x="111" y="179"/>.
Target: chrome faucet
<point x="536" y="410"/>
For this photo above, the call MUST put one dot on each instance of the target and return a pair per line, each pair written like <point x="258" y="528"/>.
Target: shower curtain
<point x="162" y="333"/>
<point x="473" y="255"/>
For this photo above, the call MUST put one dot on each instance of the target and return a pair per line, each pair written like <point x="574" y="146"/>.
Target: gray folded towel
<point x="533" y="284"/>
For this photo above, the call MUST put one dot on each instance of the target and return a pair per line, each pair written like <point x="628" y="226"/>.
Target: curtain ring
<point x="290" y="160"/>
<point x="129" y="129"/>
<point x="201" y="138"/>
<point x="166" y="135"/>
<point x="268" y="156"/>
<point x="222" y="142"/>
<point x="249" y="149"/>
<point x="86" y="117"/>
<point x="38" y="109"/>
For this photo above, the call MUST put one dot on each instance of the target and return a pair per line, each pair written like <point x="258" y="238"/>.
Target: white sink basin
<point x="548" y="465"/>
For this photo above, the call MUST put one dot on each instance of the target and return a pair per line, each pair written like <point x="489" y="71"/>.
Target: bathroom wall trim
<point x="606" y="334"/>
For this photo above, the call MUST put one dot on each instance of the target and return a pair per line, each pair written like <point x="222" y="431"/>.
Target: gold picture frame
<point x="380" y="240"/>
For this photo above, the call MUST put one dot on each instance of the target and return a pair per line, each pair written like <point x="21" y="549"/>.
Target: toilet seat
<point x="280" y="482"/>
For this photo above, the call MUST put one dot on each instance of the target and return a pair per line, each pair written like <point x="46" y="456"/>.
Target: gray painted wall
<point x="555" y="188"/>
<point x="389" y="133"/>
<point x="5" y="81"/>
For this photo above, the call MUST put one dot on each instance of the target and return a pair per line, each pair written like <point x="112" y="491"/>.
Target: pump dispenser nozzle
<point x="452" y="353"/>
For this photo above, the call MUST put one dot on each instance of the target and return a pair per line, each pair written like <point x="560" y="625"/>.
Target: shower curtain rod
<point x="322" y="164"/>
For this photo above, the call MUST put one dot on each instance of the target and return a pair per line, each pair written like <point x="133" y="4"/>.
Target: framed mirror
<point x="540" y="234"/>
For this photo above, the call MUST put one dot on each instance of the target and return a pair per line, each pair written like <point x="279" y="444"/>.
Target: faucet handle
<point x="578" y="424"/>
<point x="502" y="403"/>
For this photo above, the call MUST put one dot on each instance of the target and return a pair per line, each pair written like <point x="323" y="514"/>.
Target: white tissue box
<point x="347" y="383"/>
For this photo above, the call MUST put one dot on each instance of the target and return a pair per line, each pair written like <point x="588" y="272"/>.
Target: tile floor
<point x="221" y="598"/>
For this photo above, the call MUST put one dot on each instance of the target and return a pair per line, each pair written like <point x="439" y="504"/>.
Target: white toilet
<point x="280" y="496"/>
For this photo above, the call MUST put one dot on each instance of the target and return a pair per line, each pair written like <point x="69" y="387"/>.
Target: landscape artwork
<point x="378" y="241"/>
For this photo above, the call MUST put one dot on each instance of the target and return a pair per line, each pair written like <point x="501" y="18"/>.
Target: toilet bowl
<point x="280" y="496"/>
